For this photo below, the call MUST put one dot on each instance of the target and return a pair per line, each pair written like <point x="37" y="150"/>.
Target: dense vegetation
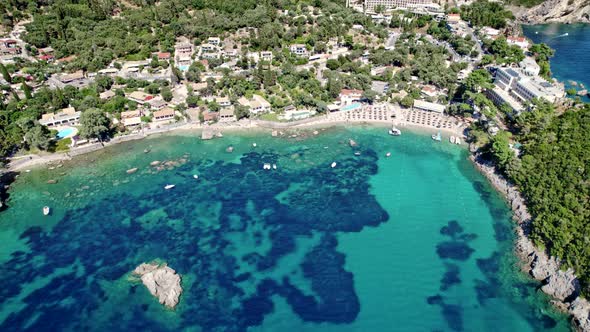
<point x="554" y="175"/>
<point x="484" y="13"/>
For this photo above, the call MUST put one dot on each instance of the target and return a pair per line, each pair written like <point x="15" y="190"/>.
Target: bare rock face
<point x="542" y="266"/>
<point x="563" y="11"/>
<point x="580" y="310"/>
<point x="562" y="285"/>
<point x="161" y="281"/>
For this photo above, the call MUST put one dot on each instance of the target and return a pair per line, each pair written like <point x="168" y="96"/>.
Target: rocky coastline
<point x="162" y="282"/>
<point x="562" y="285"/>
<point x="555" y="11"/>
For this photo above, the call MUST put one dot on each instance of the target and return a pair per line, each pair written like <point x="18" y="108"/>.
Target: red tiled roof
<point x="163" y="55"/>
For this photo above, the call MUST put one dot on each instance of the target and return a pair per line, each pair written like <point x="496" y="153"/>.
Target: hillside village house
<point x="9" y="47"/>
<point x="298" y="49"/>
<point x="72" y="78"/>
<point x="518" y="41"/>
<point x="131" y="118"/>
<point x="140" y="97"/>
<point x="164" y="56"/>
<point x="256" y="105"/>
<point x="347" y="96"/>
<point x="157" y="104"/>
<point x="66" y="116"/>
<point x="107" y="95"/>
<point x="214" y="41"/>
<point x="227" y="115"/>
<point x="223" y="101"/>
<point x="210" y="116"/>
<point x="163" y="115"/>
<point x="266" y="56"/>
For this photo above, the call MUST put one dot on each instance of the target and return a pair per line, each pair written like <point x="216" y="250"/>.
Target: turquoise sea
<point x="418" y="241"/>
<point x="571" y="43"/>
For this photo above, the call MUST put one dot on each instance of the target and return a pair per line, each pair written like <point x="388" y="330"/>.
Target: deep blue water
<point x="572" y="51"/>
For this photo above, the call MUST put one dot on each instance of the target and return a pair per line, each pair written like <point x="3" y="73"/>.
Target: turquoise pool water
<point x="415" y="242"/>
<point x="183" y="68"/>
<point x="351" y="107"/>
<point x="66" y="132"/>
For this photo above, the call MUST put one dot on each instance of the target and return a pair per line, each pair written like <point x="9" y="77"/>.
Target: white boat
<point x="195" y="176"/>
<point x="388" y="154"/>
<point x="395" y="131"/>
<point x="458" y="141"/>
<point x="452" y="139"/>
<point x="254" y="145"/>
<point x="169" y="186"/>
<point x="357" y="153"/>
<point x="266" y="166"/>
<point x="333" y="165"/>
<point x="274" y="166"/>
<point x="437" y="137"/>
<point x="46" y="210"/>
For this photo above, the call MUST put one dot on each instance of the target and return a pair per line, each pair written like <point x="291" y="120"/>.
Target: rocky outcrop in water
<point x="562" y="285"/>
<point x="161" y="281"/>
<point x="559" y="11"/>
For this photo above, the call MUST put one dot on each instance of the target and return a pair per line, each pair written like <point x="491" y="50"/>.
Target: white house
<point x="347" y="96"/>
<point x="298" y="49"/>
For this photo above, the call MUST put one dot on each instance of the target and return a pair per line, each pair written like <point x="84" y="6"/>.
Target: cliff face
<point x="561" y="11"/>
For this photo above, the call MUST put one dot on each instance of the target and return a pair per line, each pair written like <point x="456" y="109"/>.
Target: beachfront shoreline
<point x="36" y="160"/>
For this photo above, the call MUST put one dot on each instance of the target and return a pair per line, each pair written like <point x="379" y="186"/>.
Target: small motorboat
<point x="46" y="210"/>
<point x="196" y="177"/>
<point x="266" y="166"/>
<point x="452" y="139"/>
<point x="253" y="145"/>
<point x="388" y="154"/>
<point x="395" y="131"/>
<point x="169" y="186"/>
<point x="333" y="165"/>
<point x="357" y="153"/>
<point x="274" y="166"/>
<point x="457" y="141"/>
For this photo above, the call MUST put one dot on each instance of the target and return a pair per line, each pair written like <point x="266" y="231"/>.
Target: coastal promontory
<point x="162" y="282"/>
<point x="556" y="11"/>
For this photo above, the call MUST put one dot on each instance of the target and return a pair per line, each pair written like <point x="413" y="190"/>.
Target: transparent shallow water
<point x="414" y="242"/>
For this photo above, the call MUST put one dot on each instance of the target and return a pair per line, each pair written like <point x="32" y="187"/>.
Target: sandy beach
<point x="26" y="162"/>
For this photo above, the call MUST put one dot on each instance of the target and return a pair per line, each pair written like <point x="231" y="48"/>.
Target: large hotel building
<point x="392" y="4"/>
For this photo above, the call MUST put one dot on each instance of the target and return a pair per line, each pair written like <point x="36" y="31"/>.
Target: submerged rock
<point x="161" y="281"/>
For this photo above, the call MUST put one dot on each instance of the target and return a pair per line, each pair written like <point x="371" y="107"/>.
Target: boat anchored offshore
<point x="46" y="210"/>
<point x="333" y="165"/>
<point x="169" y="186"/>
<point x="388" y="154"/>
<point x="395" y="131"/>
<point x="437" y="137"/>
<point x="196" y="177"/>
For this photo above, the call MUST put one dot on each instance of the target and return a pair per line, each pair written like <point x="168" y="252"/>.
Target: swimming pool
<point x="183" y="68"/>
<point x="351" y="107"/>
<point x="66" y="132"/>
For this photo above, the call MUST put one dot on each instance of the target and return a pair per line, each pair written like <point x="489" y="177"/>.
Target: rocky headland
<point x="555" y="11"/>
<point x="560" y="284"/>
<point x="162" y="282"/>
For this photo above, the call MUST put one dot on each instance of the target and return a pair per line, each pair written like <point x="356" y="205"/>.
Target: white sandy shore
<point x="29" y="161"/>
